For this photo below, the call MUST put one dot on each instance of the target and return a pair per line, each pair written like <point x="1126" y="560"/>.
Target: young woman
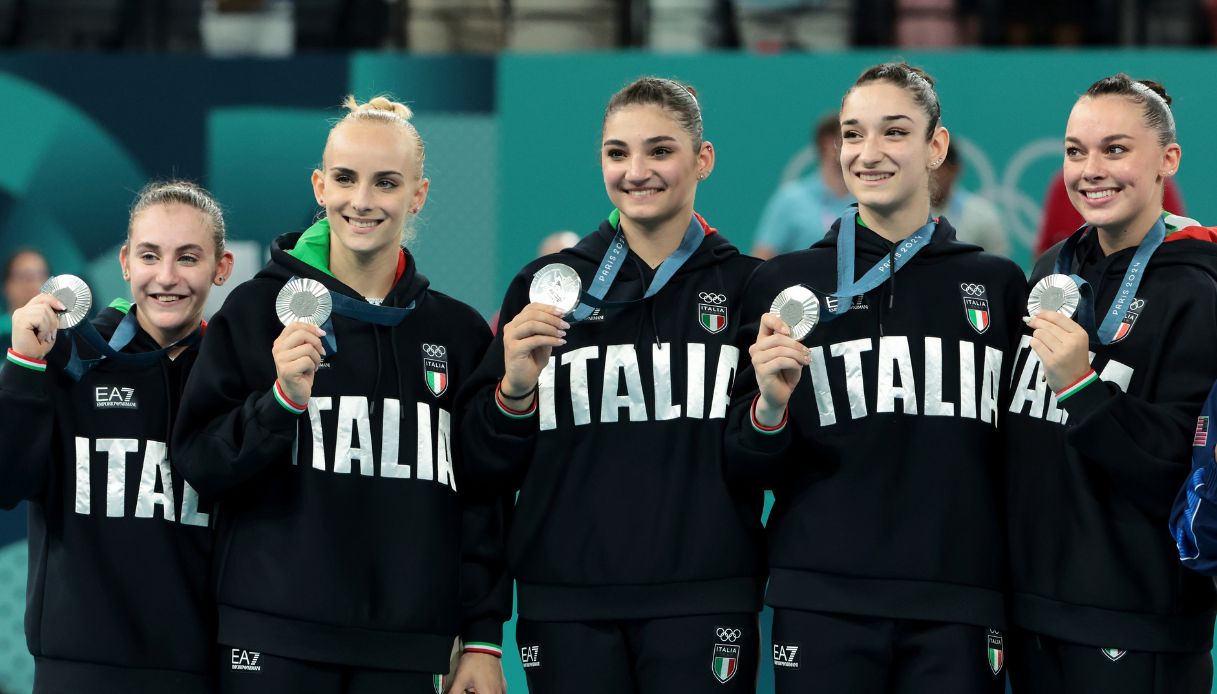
<point x="638" y="570"/>
<point x="119" y="545"/>
<point x="877" y="431"/>
<point x="1102" y="412"/>
<point x="339" y="562"/>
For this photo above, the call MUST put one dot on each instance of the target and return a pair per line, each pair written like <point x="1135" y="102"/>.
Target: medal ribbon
<point x="615" y="256"/>
<point x="1128" y="286"/>
<point x="847" y="288"/>
<point x="112" y="349"/>
<point x="360" y="310"/>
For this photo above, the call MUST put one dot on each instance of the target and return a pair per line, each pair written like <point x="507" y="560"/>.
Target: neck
<point x="655" y="243"/>
<point x="370" y="274"/>
<point x="1115" y="239"/>
<point x="898" y="224"/>
<point x="164" y="338"/>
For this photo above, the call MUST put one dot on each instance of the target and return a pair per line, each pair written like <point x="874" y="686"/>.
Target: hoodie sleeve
<point x="26" y="427"/>
<point x="231" y="426"/>
<point x="1141" y="446"/>
<point x="1194" y="516"/>
<point x="753" y="456"/>
<point x="486" y="595"/>
<point x="498" y="444"/>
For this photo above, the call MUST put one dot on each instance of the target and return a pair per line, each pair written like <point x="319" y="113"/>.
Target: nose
<point x="636" y="168"/>
<point x="167" y="272"/>
<point x="1092" y="168"/>
<point x="871" y="151"/>
<point x="362" y="201"/>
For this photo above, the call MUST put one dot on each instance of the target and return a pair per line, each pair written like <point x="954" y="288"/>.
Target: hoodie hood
<point x="870" y="244"/>
<point x="714" y="249"/>
<point x="306" y="254"/>
<point x="1187" y="244"/>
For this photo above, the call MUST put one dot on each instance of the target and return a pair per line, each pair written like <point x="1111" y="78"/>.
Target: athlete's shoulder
<point x="455" y="310"/>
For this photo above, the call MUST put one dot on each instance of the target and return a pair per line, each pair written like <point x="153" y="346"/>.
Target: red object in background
<point x="1060" y="219"/>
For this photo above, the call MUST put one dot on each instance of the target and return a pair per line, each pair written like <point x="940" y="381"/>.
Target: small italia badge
<point x="435" y="366"/>
<point x="726" y="662"/>
<point x="997" y="656"/>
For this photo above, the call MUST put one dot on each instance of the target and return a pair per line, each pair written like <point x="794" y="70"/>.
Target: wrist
<point x="767" y="418"/>
<point x="516" y="407"/>
<point x="23" y="360"/>
<point x="1074" y="387"/>
<point x="289" y="403"/>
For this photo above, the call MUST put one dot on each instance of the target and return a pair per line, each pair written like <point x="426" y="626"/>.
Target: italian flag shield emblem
<point x="975" y="305"/>
<point x="726" y="662"/>
<point x="1130" y="318"/>
<point x="997" y="656"/>
<point x="435" y="368"/>
<point x="712" y="311"/>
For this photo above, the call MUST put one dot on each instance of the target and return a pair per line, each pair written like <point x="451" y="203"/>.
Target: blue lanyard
<point x="112" y="349"/>
<point x="847" y="288"/>
<point x="1128" y="286"/>
<point x="610" y="265"/>
<point x="360" y="310"/>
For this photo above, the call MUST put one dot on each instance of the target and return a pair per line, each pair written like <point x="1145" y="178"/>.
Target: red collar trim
<point x="705" y="226"/>
<point x="1197" y="233"/>
<point x="401" y="265"/>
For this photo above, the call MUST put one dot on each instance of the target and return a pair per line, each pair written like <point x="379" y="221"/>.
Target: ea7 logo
<point x="786" y="655"/>
<point x="114" y="397"/>
<point x="246" y="660"/>
<point x="530" y="656"/>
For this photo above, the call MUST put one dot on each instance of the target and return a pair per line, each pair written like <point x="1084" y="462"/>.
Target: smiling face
<point x="369" y="184"/>
<point x="885" y="157"/>
<point x="170" y="260"/>
<point x="1114" y="167"/>
<point x="651" y="166"/>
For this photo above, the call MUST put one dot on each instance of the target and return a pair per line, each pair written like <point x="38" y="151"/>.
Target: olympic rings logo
<point x="728" y="635"/>
<point x="435" y="351"/>
<point x="972" y="289"/>
<point x="1137" y="305"/>
<point x="712" y="297"/>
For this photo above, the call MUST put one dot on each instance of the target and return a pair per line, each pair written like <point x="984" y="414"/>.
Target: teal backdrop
<point x="512" y="151"/>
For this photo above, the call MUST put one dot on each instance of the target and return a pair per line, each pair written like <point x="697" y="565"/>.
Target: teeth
<point x="362" y="224"/>
<point x="165" y="297"/>
<point x="874" y="177"/>
<point x="1099" y="194"/>
<point x="643" y="193"/>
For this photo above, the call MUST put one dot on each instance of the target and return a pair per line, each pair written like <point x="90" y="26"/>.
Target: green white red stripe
<point x="28" y="362"/>
<point x="483" y="647"/>
<point x="1077" y="385"/>
<point x="294" y="408"/>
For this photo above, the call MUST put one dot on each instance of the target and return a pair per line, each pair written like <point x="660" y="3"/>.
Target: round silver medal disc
<point x="1054" y="293"/>
<point x="74" y="294"/>
<point x="303" y="300"/>
<point x="798" y="308"/>
<point x="558" y="285"/>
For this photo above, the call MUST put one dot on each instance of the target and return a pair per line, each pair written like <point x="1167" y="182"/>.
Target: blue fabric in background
<point x="12" y="525"/>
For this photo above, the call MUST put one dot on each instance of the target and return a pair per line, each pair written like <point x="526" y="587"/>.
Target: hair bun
<point x="1157" y="88"/>
<point x="380" y="103"/>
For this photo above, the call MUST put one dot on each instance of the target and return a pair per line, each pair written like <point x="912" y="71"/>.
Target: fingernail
<point x="564" y="325"/>
<point x="320" y="332"/>
<point x="1026" y="319"/>
<point x="561" y="342"/>
<point x="561" y="333"/>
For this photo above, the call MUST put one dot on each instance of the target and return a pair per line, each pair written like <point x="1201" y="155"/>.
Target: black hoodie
<point x="118" y="601"/>
<point x="1092" y="479"/>
<point x="623" y="512"/>
<point x="340" y="532"/>
<point x="887" y="476"/>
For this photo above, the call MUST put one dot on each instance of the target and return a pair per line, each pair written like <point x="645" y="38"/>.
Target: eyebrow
<point x="146" y="246"/>
<point x="650" y="141"/>
<point x="344" y="170"/>
<point x="1109" y="138"/>
<point x="886" y="119"/>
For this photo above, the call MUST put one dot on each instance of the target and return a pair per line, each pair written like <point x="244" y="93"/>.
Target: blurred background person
<point x="976" y="220"/>
<point x="801" y="211"/>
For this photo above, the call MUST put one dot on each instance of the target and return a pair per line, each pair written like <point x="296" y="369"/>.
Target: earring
<point x="321" y="202"/>
<point x="413" y="210"/>
<point x="701" y="175"/>
<point x="936" y="163"/>
<point x="220" y="279"/>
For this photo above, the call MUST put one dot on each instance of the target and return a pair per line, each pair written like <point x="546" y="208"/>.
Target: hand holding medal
<point x="1060" y="342"/>
<point x="778" y="359"/>
<point x="529" y="338"/>
<point x="63" y="301"/>
<point x="303" y="305"/>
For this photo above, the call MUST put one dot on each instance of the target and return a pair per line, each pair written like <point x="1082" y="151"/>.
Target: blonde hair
<point x="382" y="109"/>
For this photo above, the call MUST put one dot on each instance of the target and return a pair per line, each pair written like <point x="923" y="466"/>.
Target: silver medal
<point x="558" y="285"/>
<point x="303" y="300"/>
<point x="798" y="308"/>
<point x="73" y="293"/>
<point x="1054" y="293"/>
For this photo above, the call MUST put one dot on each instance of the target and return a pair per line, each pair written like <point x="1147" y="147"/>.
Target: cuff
<point x="761" y="427"/>
<point x="484" y="647"/>
<point x="15" y="357"/>
<point x="282" y="399"/>
<point x="514" y="414"/>
<point x="485" y="635"/>
<point x="1083" y="397"/>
